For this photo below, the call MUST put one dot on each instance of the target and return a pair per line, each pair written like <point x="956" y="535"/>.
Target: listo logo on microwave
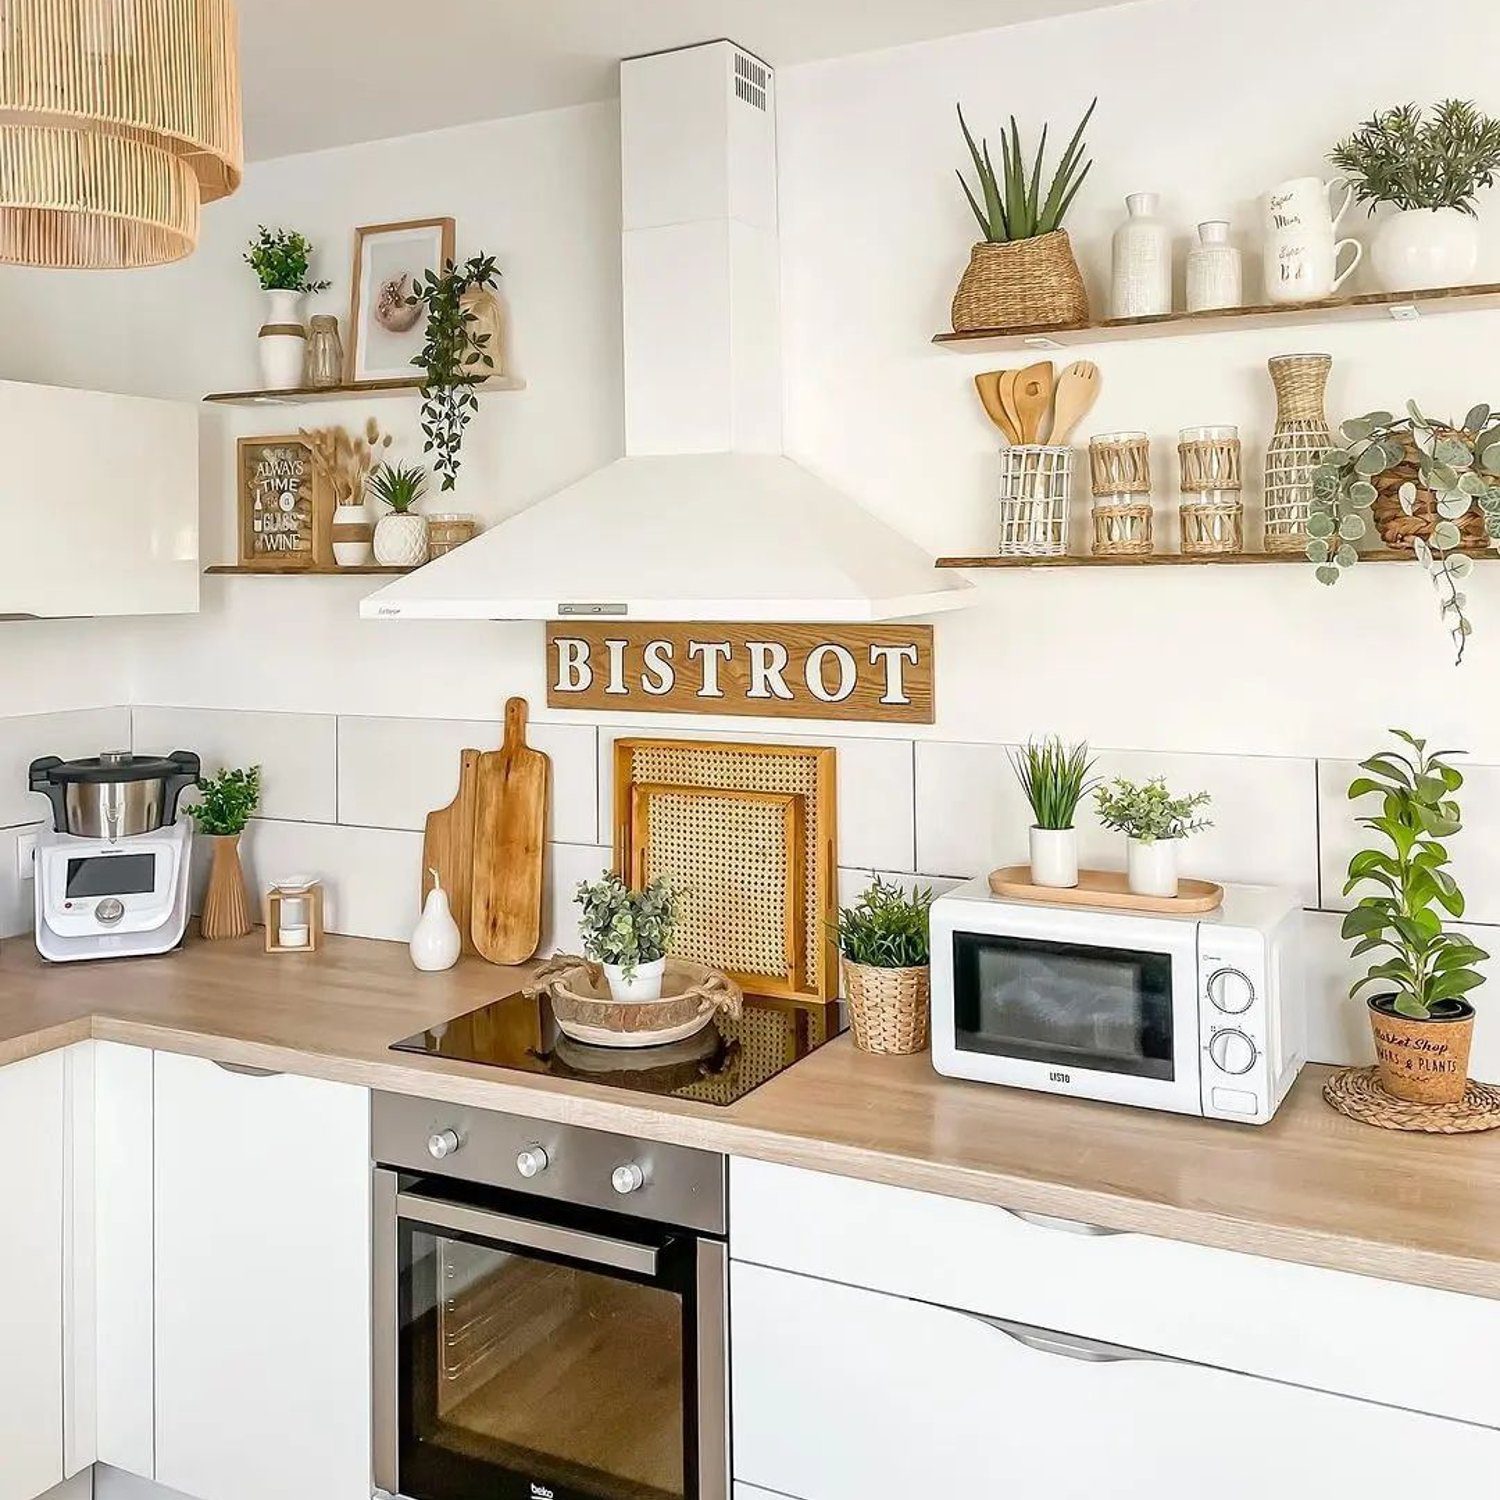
<point x="1059" y="1078"/>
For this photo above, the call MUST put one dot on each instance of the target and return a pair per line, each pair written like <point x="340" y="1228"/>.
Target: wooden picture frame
<point x="268" y="472"/>
<point x="382" y="253"/>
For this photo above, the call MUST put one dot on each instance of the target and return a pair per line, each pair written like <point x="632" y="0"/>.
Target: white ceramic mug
<point x="1303" y="203"/>
<point x="1304" y="267"/>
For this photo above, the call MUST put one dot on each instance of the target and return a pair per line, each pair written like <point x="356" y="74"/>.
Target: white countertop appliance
<point x="111" y="874"/>
<point x="1203" y="1015"/>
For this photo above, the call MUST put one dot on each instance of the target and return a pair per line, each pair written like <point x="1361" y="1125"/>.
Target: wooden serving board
<point x="510" y="831"/>
<point x="448" y="847"/>
<point x="1107" y="889"/>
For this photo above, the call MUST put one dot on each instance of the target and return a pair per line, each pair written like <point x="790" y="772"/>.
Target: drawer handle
<point x="245" y="1070"/>
<point x="1068" y="1345"/>
<point x="1067" y="1226"/>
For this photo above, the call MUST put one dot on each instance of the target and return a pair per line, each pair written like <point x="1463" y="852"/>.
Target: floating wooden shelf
<point x="250" y="570"/>
<point x="1400" y="306"/>
<point x="1176" y="559"/>
<point x="359" y="391"/>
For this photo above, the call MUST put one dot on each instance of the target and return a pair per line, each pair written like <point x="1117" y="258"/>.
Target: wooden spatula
<point x="448" y="846"/>
<point x="510" y="830"/>
<point x="988" y="386"/>
<point x="1007" y="394"/>
<point x="1033" y="399"/>
<point x="1077" y="390"/>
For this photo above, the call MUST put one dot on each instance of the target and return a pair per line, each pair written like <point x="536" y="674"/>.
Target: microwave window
<point x="1068" y="1005"/>
<point x="111" y="875"/>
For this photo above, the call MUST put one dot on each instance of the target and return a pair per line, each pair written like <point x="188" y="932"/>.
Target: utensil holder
<point x="1120" y="477"/>
<point x="1036" y="485"/>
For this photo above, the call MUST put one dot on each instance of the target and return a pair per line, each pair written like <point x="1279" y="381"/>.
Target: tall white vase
<point x="1141" y="284"/>
<point x="283" y="342"/>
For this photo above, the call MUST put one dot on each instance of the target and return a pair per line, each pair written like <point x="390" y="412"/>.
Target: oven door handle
<point x="597" y="1249"/>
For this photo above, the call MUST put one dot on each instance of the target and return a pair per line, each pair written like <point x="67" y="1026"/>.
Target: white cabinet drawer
<point x="928" y="1401"/>
<point x="1327" y="1329"/>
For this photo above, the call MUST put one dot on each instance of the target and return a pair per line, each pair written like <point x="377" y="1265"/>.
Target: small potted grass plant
<point x="401" y="534"/>
<point x="226" y="803"/>
<point x="886" y="950"/>
<point x="1154" y="823"/>
<point x="1056" y="778"/>
<point x="628" y="932"/>
<point x="1422" y="1021"/>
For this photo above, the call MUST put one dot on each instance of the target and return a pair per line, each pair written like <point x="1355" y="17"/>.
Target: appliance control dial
<point x="1231" y="991"/>
<point x="443" y="1143"/>
<point x="1232" y="1051"/>
<point x="627" y="1179"/>
<point x="109" y="911"/>
<point x="532" y="1162"/>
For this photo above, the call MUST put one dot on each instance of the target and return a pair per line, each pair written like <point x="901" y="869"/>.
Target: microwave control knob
<point x="1231" y="991"/>
<point x="532" y="1162"/>
<point x="109" y="911"/>
<point x="627" y="1179"/>
<point x="443" y="1143"/>
<point x="1232" y="1051"/>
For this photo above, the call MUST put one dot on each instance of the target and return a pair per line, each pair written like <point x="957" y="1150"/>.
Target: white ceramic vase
<point x="352" y="532"/>
<point x="1215" y="277"/>
<point x="1423" y="247"/>
<point x="1141" y="283"/>
<point x="436" y="942"/>
<point x="1151" y="867"/>
<point x="282" y="345"/>
<point x="644" y="985"/>
<point x="1054" y="857"/>
<point x="401" y="541"/>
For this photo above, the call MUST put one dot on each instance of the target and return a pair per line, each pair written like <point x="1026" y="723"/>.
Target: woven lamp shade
<point x="118" y="118"/>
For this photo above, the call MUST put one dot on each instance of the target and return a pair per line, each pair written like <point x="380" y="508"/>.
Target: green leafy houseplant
<point x="1431" y="967"/>
<point x="454" y="358"/>
<point x="1147" y="811"/>
<point x="625" y="927"/>
<point x="399" y="486"/>
<point x="1012" y="206"/>
<point x="227" y="801"/>
<point x="885" y="928"/>
<point x="1401" y="157"/>
<point x="1055" y="778"/>
<point x="280" y="258"/>
<point x="1430" y="485"/>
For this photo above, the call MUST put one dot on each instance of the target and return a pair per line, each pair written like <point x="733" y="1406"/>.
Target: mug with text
<point x="1302" y="266"/>
<point x="1302" y="204"/>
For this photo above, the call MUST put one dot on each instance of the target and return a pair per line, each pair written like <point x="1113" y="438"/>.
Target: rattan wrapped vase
<point x="1031" y="283"/>
<point x="887" y="1007"/>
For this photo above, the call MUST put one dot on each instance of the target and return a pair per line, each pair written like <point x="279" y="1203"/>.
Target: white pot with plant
<point x="280" y="259"/>
<point x="400" y="535"/>
<point x="1154" y="823"/>
<point x="886" y="950"/>
<point x="1055" y="778"/>
<point x="628" y="932"/>
<point x="1429" y="170"/>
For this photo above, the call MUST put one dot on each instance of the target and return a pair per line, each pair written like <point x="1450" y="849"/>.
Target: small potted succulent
<point x="886" y="950"/>
<point x="1055" y="778"/>
<point x="1429" y="170"/>
<point x="628" y="932"/>
<point x="400" y="536"/>
<point x="1422" y="1022"/>
<point x="1154" y="823"/>
<point x="280" y="259"/>
<point x="226" y="803"/>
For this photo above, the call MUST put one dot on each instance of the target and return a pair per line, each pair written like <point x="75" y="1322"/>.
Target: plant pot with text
<point x="1423" y="1061"/>
<point x="225" y="804"/>
<point x="1154" y="823"/>
<point x="885" y="951"/>
<point x="1055" y="778"/>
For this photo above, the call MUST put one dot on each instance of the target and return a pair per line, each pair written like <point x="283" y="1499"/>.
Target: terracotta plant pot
<point x="887" y="1007"/>
<point x="1031" y="283"/>
<point x="1423" y="1062"/>
<point x="226" y="903"/>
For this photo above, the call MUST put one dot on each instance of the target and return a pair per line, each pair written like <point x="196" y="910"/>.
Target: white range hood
<point x="705" y="518"/>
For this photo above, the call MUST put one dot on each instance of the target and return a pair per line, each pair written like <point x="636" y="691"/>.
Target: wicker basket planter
<point x="1423" y="1062"/>
<point x="1400" y="531"/>
<point x="887" y="1007"/>
<point x="1031" y="283"/>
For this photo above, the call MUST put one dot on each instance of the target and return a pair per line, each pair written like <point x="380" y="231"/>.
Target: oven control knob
<point x="628" y="1179"/>
<point x="443" y="1143"/>
<point x="1231" y="991"/>
<point x="532" y="1162"/>
<point x="109" y="911"/>
<point x="1232" y="1051"/>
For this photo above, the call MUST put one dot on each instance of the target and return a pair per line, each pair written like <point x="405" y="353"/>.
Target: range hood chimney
<point x="704" y="518"/>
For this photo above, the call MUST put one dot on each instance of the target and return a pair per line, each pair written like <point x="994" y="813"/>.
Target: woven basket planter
<point x="887" y="1007"/>
<point x="1031" y="283"/>
<point x="1400" y="531"/>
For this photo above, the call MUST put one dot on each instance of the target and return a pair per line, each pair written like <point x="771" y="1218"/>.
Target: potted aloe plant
<point x="1154" y="823"/>
<point x="886" y="950"/>
<point x="1055" y="778"/>
<point x="1422" y="1021"/>
<point x="628" y="932"/>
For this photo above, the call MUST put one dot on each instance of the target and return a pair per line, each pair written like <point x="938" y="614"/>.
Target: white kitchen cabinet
<point x="33" y="1147"/>
<point x="102" y="490"/>
<point x="262" y="1284"/>
<point x="930" y="1401"/>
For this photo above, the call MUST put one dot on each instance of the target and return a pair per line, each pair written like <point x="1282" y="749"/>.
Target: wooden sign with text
<point x="877" y="673"/>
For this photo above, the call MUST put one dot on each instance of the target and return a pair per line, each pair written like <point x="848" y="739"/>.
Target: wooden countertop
<point x="1311" y="1186"/>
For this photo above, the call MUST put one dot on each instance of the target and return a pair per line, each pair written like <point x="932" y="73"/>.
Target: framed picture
<point x="385" y="332"/>
<point x="279" y="503"/>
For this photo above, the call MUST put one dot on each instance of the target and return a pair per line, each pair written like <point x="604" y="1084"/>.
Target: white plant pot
<point x="646" y="985"/>
<point x="282" y="345"/>
<point x="1054" y="857"/>
<point x="1151" y="868"/>
<point x="401" y="541"/>
<point x="1423" y="247"/>
<point x="351" y="551"/>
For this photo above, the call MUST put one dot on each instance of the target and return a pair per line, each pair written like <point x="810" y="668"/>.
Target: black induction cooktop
<point x="721" y="1064"/>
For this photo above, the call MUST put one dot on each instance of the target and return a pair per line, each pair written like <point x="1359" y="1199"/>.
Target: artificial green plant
<point x="1013" y="207"/>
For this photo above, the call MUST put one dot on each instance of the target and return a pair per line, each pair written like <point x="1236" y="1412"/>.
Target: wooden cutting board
<point x="448" y="846"/>
<point x="510" y="830"/>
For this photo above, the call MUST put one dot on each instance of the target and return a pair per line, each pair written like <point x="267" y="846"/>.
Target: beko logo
<point x="1059" y="1078"/>
<point x="541" y="1492"/>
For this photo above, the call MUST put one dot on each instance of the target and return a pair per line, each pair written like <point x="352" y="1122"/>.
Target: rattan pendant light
<point x="118" y="118"/>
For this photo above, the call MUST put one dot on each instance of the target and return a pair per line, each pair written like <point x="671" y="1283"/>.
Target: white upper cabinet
<point x="98" y="503"/>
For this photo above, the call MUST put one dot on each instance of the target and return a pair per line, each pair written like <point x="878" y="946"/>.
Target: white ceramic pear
<point x="436" y="942"/>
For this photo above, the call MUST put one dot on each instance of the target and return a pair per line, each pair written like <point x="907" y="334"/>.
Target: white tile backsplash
<point x="972" y="816"/>
<point x="27" y="737"/>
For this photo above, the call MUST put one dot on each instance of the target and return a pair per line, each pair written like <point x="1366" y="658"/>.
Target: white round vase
<point x="1054" y="857"/>
<point x="401" y="541"/>
<point x="1151" y="866"/>
<point x="645" y="984"/>
<point x="1423" y="247"/>
<point x="282" y="345"/>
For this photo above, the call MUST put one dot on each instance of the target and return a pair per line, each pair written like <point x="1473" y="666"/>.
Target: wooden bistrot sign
<point x="876" y="673"/>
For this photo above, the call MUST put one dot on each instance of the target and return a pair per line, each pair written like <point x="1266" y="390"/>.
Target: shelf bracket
<point x="1041" y="341"/>
<point x="1404" y="312"/>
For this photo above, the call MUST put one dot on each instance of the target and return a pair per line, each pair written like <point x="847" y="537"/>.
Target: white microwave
<point x="1198" y="1014"/>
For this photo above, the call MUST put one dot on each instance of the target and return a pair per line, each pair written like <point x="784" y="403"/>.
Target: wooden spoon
<point x="1033" y="399"/>
<point x="1077" y="390"/>
<point x="988" y="386"/>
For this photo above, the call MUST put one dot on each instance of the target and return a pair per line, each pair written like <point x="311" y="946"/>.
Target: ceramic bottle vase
<point x="226" y="903"/>
<point x="1296" y="449"/>
<point x="283" y="342"/>
<point x="1215" y="276"/>
<point x="1141" y="284"/>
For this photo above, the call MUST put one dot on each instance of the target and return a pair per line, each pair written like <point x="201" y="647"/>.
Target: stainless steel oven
<point x="550" y="1310"/>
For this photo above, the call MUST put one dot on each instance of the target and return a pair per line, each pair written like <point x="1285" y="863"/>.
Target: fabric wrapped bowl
<point x="692" y="994"/>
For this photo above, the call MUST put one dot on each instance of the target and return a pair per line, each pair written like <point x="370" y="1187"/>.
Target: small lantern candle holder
<point x="1211" y="511"/>
<point x="294" y="916"/>
<point x="1036" y="484"/>
<point x="1120" y="477"/>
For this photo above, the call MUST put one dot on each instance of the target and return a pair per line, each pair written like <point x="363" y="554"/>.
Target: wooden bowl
<point x="692" y="995"/>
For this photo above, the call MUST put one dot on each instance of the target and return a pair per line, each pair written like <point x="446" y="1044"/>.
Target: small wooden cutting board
<point x="510" y="830"/>
<point x="1106" y="888"/>
<point x="448" y="846"/>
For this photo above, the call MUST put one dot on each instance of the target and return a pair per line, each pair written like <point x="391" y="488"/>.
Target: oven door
<point x="1100" y="1005"/>
<point x="576" y="1356"/>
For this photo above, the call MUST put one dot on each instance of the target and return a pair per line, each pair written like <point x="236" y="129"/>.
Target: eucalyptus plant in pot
<point x="886" y="950"/>
<point x="1055" y="778"/>
<point x="628" y="932"/>
<point x="1422" y="1022"/>
<point x="1154" y="823"/>
<point x="226" y="803"/>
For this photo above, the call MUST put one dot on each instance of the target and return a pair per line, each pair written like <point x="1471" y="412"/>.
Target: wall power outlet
<point x="26" y="857"/>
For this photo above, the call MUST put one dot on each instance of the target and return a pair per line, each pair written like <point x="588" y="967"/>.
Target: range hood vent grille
<point x="750" y="80"/>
